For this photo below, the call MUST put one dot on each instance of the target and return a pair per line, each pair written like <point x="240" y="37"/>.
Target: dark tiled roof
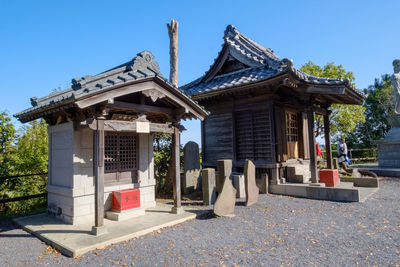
<point x="141" y="67"/>
<point x="242" y="77"/>
<point x="250" y="49"/>
<point x="263" y="62"/>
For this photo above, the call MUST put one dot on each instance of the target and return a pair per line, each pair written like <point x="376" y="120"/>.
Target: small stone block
<point x="263" y="183"/>
<point x="225" y="204"/>
<point x="238" y="183"/>
<point x="177" y="210"/>
<point x="252" y="190"/>
<point x="208" y="186"/>
<point x="224" y="168"/>
<point x="125" y="215"/>
<point x="99" y="230"/>
<point x="329" y="177"/>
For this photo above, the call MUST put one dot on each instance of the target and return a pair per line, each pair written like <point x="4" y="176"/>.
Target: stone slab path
<point x="278" y="230"/>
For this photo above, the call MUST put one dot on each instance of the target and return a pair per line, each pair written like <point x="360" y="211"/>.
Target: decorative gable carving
<point x="153" y="94"/>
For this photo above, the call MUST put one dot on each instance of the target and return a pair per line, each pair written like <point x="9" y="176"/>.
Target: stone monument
<point x="208" y="183"/>
<point x="252" y="190"/>
<point x="191" y="178"/>
<point x="389" y="148"/>
<point x="226" y="200"/>
<point x="224" y="169"/>
<point x="238" y="184"/>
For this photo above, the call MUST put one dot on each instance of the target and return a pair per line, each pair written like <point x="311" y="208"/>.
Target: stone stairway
<point x="298" y="171"/>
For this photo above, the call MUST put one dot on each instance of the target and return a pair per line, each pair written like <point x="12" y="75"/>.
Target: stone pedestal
<point x="389" y="149"/>
<point x="238" y="183"/>
<point x="208" y="182"/>
<point x="224" y="169"/>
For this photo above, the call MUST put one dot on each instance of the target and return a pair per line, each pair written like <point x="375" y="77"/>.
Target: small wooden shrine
<point x="101" y="137"/>
<point x="262" y="109"/>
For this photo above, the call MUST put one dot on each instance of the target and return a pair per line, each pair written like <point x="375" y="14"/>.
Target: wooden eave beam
<point x="141" y="107"/>
<point x="325" y="90"/>
<point x="127" y="126"/>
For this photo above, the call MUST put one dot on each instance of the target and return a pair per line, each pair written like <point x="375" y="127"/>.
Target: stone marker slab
<point x="224" y="169"/>
<point x="191" y="178"/>
<point x="238" y="184"/>
<point x="208" y="186"/>
<point x="263" y="183"/>
<point x="225" y="204"/>
<point x="252" y="190"/>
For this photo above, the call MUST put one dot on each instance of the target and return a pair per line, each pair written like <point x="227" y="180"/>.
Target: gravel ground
<point x="277" y="231"/>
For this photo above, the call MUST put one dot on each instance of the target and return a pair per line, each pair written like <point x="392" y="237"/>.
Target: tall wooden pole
<point x="313" y="154"/>
<point x="177" y="208"/>
<point x="328" y="147"/>
<point x="173" y="51"/>
<point x="98" y="165"/>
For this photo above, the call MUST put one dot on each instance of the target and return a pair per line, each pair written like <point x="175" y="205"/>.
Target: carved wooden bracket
<point x="153" y="94"/>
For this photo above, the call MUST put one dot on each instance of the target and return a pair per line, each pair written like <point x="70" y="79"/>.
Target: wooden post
<point x="328" y="147"/>
<point x="313" y="154"/>
<point x="173" y="51"/>
<point x="177" y="208"/>
<point x="99" y="177"/>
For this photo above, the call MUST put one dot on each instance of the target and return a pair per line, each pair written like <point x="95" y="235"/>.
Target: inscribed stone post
<point x="191" y="179"/>
<point x="208" y="182"/>
<point x="225" y="204"/>
<point x="263" y="183"/>
<point x="224" y="168"/>
<point x="238" y="183"/>
<point x="250" y="183"/>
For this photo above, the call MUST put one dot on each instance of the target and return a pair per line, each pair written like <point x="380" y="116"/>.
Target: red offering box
<point x="329" y="177"/>
<point x="125" y="199"/>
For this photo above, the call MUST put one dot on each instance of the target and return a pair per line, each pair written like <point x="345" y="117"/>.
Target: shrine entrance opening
<point x="292" y="134"/>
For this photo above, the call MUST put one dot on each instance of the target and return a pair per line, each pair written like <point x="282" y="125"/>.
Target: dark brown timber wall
<point x="239" y="130"/>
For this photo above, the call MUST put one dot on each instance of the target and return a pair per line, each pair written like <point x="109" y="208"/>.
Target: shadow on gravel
<point x="207" y="216"/>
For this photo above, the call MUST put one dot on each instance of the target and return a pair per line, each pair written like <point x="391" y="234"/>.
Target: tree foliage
<point x="7" y="137"/>
<point x="23" y="152"/>
<point x="162" y="156"/>
<point x="32" y="148"/>
<point x="344" y="118"/>
<point x="379" y="108"/>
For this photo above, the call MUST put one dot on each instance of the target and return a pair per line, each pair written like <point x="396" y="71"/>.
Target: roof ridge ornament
<point x="143" y="60"/>
<point x="231" y="31"/>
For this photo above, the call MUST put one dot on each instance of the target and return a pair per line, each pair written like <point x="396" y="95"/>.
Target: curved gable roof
<point x="263" y="64"/>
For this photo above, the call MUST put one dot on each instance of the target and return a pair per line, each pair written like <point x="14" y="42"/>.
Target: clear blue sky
<point x="44" y="44"/>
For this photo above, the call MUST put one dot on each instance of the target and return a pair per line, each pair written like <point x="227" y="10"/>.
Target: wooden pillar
<point x="99" y="177"/>
<point x="328" y="147"/>
<point x="313" y="154"/>
<point x="177" y="208"/>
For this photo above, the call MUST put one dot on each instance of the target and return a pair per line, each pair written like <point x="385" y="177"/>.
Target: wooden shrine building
<point x="101" y="137"/>
<point x="262" y="108"/>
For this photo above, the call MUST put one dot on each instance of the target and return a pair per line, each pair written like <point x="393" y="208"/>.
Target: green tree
<point x="7" y="137"/>
<point x="162" y="156"/>
<point x="344" y="118"/>
<point x="30" y="155"/>
<point x="32" y="148"/>
<point x="379" y="109"/>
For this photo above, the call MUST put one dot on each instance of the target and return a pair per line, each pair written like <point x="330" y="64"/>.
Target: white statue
<point x="396" y="85"/>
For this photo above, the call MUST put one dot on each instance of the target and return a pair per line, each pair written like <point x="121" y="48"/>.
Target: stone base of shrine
<point x="345" y="192"/>
<point x="73" y="240"/>
<point x="125" y="214"/>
